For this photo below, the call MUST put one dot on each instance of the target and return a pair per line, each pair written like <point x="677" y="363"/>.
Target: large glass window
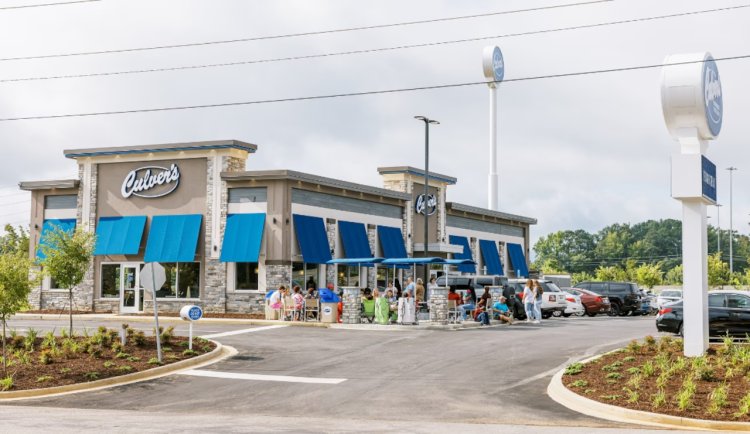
<point x="305" y="275"/>
<point x="246" y="275"/>
<point x="110" y="280"/>
<point x="183" y="280"/>
<point x="348" y="275"/>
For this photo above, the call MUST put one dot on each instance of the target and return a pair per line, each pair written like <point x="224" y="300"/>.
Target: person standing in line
<point x="410" y="287"/>
<point x="538" y="291"/>
<point x="397" y="285"/>
<point x="430" y="286"/>
<point x="419" y="290"/>
<point x="528" y="300"/>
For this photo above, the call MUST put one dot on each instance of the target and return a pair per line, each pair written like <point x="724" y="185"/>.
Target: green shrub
<point x="166" y="349"/>
<point x="659" y="399"/>
<point x="206" y="348"/>
<point x="44" y="378"/>
<point x="191" y="353"/>
<point x="139" y="338"/>
<point x="109" y="364"/>
<point x="154" y="361"/>
<point x="717" y="399"/>
<point x="634" y="370"/>
<point x="30" y="339"/>
<point x="122" y="355"/>
<point x="167" y="335"/>
<point x="614" y="376"/>
<point x="649" y="341"/>
<point x="64" y="371"/>
<point x="133" y="359"/>
<point x="6" y="383"/>
<point x="628" y="359"/>
<point x="744" y="406"/>
<point x="634" y="347"/>
<point x="49" y="340"/>
<point x="614" y="366"/>
<point x="45" y="357"/>
<point x="117" y="347"/>
<point x="611" y="397"/>
<point x="579" y="383"/>
<point x="125" y="368"/>
<point x="572" y="369"/>
<point x="635" y="381"/>
<point x="685" y="395"/>
<point x="91" y="376"/>
<point x="631" y="395"/>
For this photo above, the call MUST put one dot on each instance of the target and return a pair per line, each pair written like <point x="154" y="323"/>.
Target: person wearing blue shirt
<point x="500" y="311"/>
<point x="410" y="287"/>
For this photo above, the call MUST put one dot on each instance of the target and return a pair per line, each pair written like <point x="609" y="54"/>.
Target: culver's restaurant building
<point x="227" y="235"/>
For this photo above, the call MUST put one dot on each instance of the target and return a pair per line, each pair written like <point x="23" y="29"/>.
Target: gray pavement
<point x="417" y="381"/>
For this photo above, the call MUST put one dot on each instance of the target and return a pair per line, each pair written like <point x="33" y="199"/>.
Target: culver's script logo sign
<point x="712" y="96"/>
<point x="430" y="204"/>
<point x="151" y="181"/>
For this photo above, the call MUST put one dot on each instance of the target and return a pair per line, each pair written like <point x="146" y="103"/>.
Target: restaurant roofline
<point x="486" y="212"/>
<point x="416" y="172"/>
<point x="167" y="147"/>
<point x="313" y="179"/>
<point x="47" y="185"/>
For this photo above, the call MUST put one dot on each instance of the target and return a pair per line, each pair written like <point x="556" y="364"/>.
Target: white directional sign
<point x="153" y="276"/>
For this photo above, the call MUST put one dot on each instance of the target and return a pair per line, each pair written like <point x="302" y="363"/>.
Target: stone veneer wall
<point x="372" y="275"/>
<point x="214" y="292"/>
<point x="330" y="269"/>
<point x="403" y="187"/>
<point x="439" y="305"/>
<point x="277" y="275"/>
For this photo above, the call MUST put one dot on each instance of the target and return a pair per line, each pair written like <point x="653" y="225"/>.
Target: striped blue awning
<point x="312" y="239"/>
<point x="491" y="257"/>
<point x="391" y="242"/>
<point x="67" y="225"/>
<point x="518" y="260"/>
<point x="466" y="254"/>
<point x="173" y="238"/>
<point x="242" y="237"/>
<point x="119" y="235"/>
<point x="354" y="238"/>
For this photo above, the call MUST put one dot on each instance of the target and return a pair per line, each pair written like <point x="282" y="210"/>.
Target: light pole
<point x="718" y="228"/>
<point x="427" y="122"/>
<point x="731" y="170"/>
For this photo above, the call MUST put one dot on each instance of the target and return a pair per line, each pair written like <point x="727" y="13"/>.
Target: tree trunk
<point x="70" y="311"/>
<point x="5" y="360"/>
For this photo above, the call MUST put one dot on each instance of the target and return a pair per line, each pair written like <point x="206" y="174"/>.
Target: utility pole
<point x="718" y="228"/>
<point x="731" y="170"/>
<point x="425" y="201"/>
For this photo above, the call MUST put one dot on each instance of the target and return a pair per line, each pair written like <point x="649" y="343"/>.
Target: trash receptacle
<point x="329" y="312"/>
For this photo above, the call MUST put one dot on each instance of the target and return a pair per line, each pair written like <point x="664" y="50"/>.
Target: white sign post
<point x="153" y="277"/>
<point x="493" y="66"/>
<point x="191" y="313"/>
<point x="693" y="111"/>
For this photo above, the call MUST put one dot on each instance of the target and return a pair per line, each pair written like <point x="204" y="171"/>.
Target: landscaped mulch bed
<point x="654" y="376"/>
<point x="36" y="361"/>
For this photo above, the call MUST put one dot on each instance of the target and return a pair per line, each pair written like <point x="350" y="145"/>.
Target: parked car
<point x="624" y="297"/>
<point x="728" y="313"/>
<point x="593" y="303"/>
<point x="573" y="306"/>
<point x="668" y="296"/>
<point x="648" y="304"/>
<point x="553" y="298"/>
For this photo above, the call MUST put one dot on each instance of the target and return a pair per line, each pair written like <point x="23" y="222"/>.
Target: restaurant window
<point x="183" y="280"/>
<point x="110" y="280"/>
<point x="304" y="274"/>
<point x="348" y="275"/>
<point x="246" y="276"/>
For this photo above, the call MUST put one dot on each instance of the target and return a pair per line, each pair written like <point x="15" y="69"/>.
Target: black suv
<point x="624" y="296"/>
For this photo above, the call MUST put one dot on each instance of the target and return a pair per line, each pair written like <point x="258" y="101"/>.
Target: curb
<point x="166" y="319"/>
<point x="566" y="397"/>
<point x="219" y="353"/>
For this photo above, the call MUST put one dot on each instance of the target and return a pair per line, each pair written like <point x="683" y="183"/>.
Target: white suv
<point x="553" y="298"/>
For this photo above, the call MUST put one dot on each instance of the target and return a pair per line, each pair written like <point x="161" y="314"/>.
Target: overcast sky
<point x="577" y="152"/>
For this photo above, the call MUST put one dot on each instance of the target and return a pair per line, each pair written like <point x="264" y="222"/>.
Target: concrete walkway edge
<point x="566" y="397"/>
<point x="219" y="353"/>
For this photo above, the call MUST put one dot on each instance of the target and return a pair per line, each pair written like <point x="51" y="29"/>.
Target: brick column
<point x="351" y="305"/>
<point x="439" y="305"/>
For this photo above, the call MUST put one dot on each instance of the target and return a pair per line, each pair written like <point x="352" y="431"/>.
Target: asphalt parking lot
<point x="496" y="375"/>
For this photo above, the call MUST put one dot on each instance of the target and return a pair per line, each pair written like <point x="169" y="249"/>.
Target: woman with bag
<point x="538" y="291"/>
<point x="528" y="300"/>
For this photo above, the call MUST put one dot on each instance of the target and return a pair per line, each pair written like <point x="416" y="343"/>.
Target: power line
<point x="363" y="93"/>
<point x="370" y="50"/>
<point x="39" y="5"/>
<point x="295" y="35"/>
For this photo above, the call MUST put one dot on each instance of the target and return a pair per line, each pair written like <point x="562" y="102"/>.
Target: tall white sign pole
<point x="494" y="71"/>
<point x="693" y="111"/>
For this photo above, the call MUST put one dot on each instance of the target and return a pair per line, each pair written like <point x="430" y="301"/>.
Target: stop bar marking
<point x="259" y="377"/>
<point x="239" y="332"/>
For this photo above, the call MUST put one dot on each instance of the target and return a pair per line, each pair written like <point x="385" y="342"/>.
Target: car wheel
<point x="591" y="314"/>
<point x="623" y="312"/>
<point x="580" y="313"/>
<point x="567" y="315"/>
<point x="614" y="310"/>
<point x="680" y="332"/>
<point x="557" y="314"/>
<point x="545" y="315"/>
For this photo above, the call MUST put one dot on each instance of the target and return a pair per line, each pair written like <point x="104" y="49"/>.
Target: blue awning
<point x="119" y="235"/>
<point x="459" y="262"/>
<point x="491" y="257"/>
<point x="67" y="225"/>
<point x="391" y="242"/>
<point x="354" y="238"/>
<point x="312" y="239"/>
<point x="518" y="259"/>
<point x="463" y="241"/>
<point x="242" y="237"/>
<point x="173" y="238"/>
<point x="412" y="261"/>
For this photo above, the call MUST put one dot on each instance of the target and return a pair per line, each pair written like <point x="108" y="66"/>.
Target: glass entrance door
<point x="131" y="295"/>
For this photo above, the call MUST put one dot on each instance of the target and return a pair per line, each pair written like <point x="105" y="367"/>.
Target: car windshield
<point x="551" y="287"/>
<point x="677" y="294"/>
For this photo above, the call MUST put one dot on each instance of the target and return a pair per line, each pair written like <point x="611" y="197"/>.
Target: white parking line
<point x="239" y="332"/>
<point x="259" y="377"/>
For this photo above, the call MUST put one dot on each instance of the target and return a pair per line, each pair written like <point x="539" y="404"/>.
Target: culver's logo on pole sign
<point x="430" y="204"/>
<point x="714" y="104"/>
<point x="151" y="181"/>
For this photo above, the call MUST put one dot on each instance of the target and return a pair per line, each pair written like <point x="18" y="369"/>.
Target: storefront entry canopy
<point x="312" y="239"/>
<point x="119" y="235"/>
<point x="518" y="259"/>
<point x="422" y="261"/>
<point x="354" y="238"/>
<point x="391" y="242"/>
<point x="361" y="262"/>
<point x="491" y="257"/>
<point x="464" y="242"/>
<point x="242" y="237"/>
<point x="67" y="225"/>
<point x="173" y="238"/>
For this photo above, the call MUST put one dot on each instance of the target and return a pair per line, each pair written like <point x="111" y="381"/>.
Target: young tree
<point x="718" y="270"/>
<point x="14" y="289"/>
<point x="648" y="275"/>
<point x="15" y="240"/>
<point x="611" y="273"/>
<point x="674" y="275"/>
<point x="67" y="255"/>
